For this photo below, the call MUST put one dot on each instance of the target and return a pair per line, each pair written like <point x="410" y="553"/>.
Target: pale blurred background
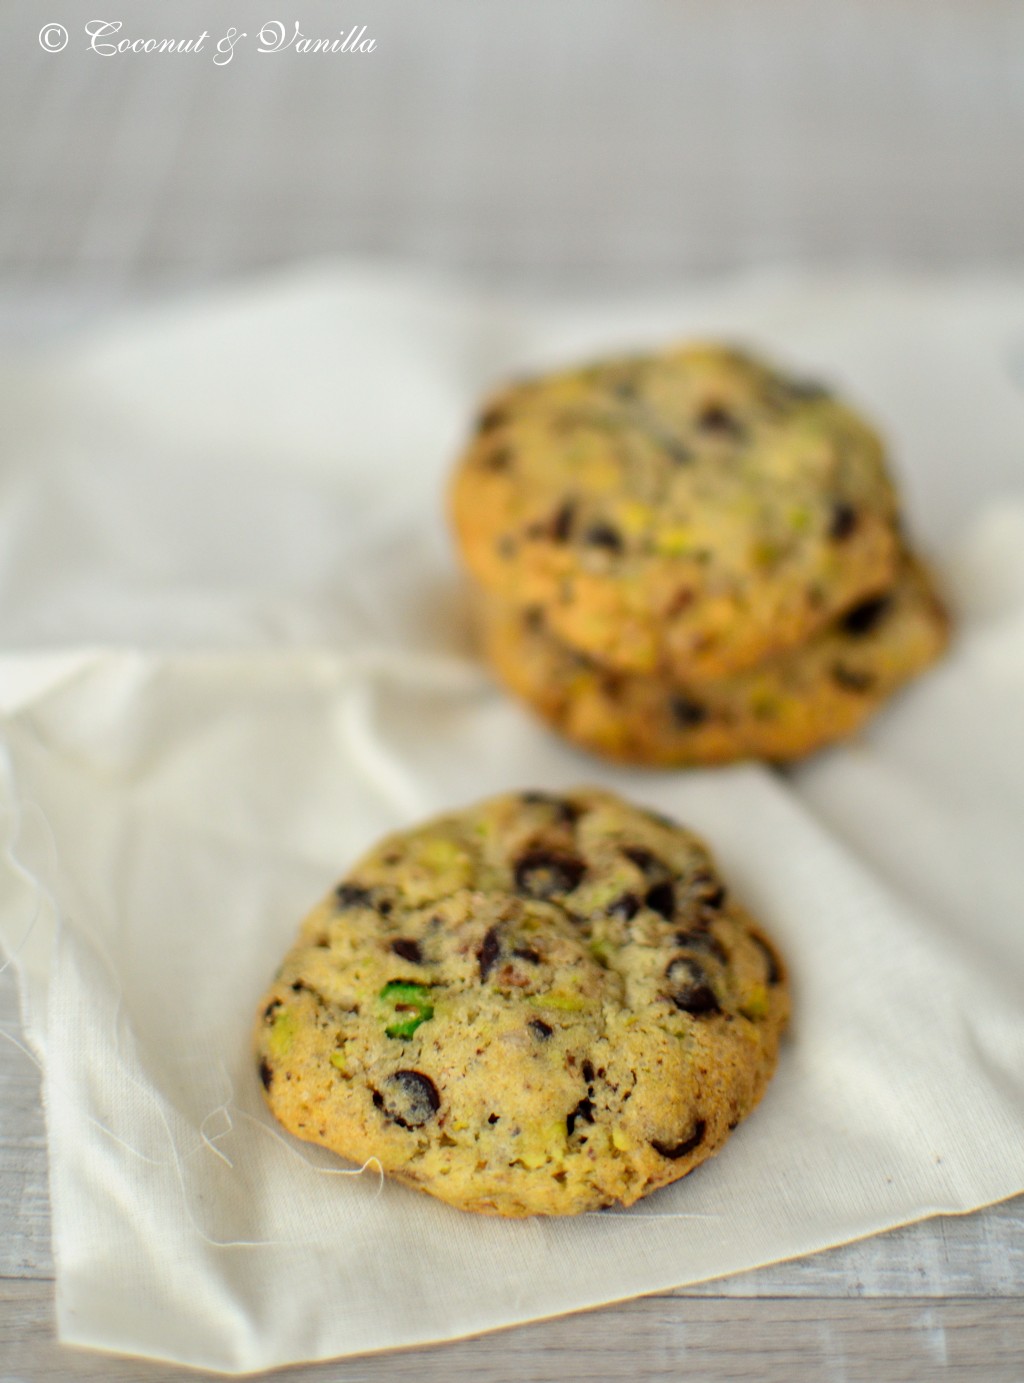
<point x="570" y="143"/>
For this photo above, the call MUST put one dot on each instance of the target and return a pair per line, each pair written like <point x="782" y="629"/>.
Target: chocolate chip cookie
<point x="539" y="1005"/>
<point x="781" y="710"/>
<point x="687" y="514"/>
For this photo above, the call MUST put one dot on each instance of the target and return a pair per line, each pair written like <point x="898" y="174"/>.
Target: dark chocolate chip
<point x="490" y="950"/>
<point x="584" y="1110"/>
<point x="843" y="520"/>
<point x="716" y="418"/>
<point x="702" y="941"/>
<point x="771" y="959"/>
<point x="270" y="1010"/>
<point x="852" y="681"/>
<point x="674" y="1151"/>
<point x="542" y="873"/>
<point x="527" y="953"/>
<point x="588" y="1072"/>
<point x="603" y="535"/>
<point x="866" y="616"/>
<point x="568" y="811"/>
<point x="408" y="949"/>
<point x="266" y="1073"/>
<point x="498" y="459"/>
<point x="408" y="1099"/>
<point x="662" y="899"/>
<point x="644" y="860"/>
<point x="625" y="908"/>
<point x="385" y="906"/>
<point x="493" y="1118"/>
<point x="540" y="1029"/>
<point x="352" y="896"/>
<point x="491" y="418"/>
<point x="686" y="711"/>
<point x="708" y="891"/>
<point x="561" y="524"/>
<point x="691" y="993"/>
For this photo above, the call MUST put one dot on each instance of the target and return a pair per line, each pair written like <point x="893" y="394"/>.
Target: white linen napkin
<point x="237" y="655"/>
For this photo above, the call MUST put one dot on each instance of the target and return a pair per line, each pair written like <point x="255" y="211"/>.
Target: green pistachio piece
<point x="406" y="1006"/>
<point x="568" y="1003"/>
<point x="282" y="1033"/>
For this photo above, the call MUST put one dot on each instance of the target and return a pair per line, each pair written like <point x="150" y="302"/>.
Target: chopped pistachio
<point x="755" y="1002"/>
<point x="595" y="898"/>
<point x="406" y="1005"/>
<point x="282" y="1033"/>
<point x="766" y="554"/>
<point x="633" y="517"/>
<point x="531" y="1161"/>
<point x="567" y="1003"/>
<point x="764" y="704"/>
<point x="673" y="541"/>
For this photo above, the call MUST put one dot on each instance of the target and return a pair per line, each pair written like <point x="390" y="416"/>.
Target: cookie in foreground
<point x="784" y="709"/>
<point x="538" y="1005"/>
<point x="688" y="513"/>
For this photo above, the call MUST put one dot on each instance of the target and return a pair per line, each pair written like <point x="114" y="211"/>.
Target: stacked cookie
<point x="690" y="558"/>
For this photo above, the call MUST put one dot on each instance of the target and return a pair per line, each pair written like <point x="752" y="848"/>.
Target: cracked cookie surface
<point x="784" y="709"/>
<point x="539" y="1005"/>
<point x="688" y="513"/>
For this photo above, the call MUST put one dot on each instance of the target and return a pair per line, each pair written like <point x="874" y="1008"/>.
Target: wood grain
<point x="590" y="141"/>
<point x="659" y="1339"/>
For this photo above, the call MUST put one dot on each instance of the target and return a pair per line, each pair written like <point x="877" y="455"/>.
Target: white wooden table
<point x="583" y="143"/>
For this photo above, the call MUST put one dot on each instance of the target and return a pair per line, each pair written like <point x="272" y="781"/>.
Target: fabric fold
<point x="246" y="657"/>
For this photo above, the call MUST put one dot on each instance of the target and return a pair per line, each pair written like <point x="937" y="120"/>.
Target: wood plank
<point x="24" y="1194"/>
<point x="733" y="133"/>
<point x="658" y="1338"/>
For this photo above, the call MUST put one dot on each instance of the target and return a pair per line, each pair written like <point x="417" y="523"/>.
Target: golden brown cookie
<point x="789" y="706"/>
<point x="689" y="513"/>
<point x="538" y="1005"/>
